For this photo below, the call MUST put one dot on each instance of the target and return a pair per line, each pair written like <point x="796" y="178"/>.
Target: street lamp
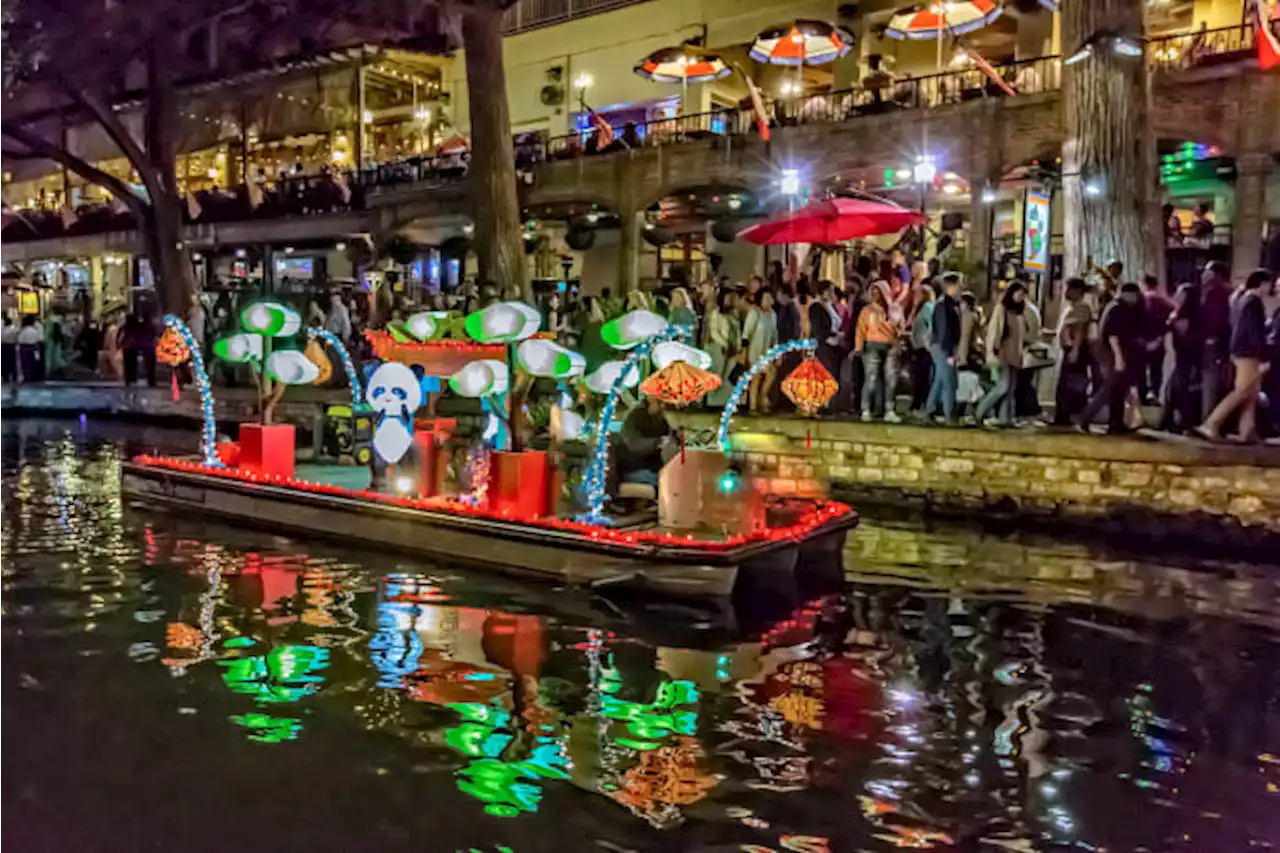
<point x="790" y="183"/>
<point x="582" y="81"/>
<point x="924" y="171"/>
<point x="988" y="195"/>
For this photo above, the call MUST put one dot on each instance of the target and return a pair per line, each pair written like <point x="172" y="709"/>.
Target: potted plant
<point x="267" y="448"/>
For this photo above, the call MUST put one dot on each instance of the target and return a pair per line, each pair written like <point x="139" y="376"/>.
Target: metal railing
<point x="1202" y="48"/>
<point x="531" y="14"/>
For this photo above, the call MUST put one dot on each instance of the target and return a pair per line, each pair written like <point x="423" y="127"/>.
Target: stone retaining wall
<point x="1014" y="471"/>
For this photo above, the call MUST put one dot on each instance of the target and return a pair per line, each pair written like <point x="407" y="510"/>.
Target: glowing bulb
<point x="924" y="172"/>
<point x="790" y="183"/>
<point x="404" y="484"/>
<point x="582" y="81"/>
<point x="368" y="116"/>
<point x="339" y="156"/>
<point x="988" y="196"/>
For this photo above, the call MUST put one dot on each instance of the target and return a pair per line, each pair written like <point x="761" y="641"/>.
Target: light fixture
<point x="988" y="195"/>
<point x="468" y="229"/>
<point x="368" y="116"/>
<point x="422" y="113"/>
<point x="240" y="253"/>
<point x="339" y="156"/>
<point x="1104" y="42"/>
<point x="340" y="246"/>
<point x="734" y="204"/>
<point x="789" y="87"/>
<point x="404" y="484"/>
<point x="1093" y="187"/>
<point x="583" y="80"/>
<point x="950" y="189"/>
<point x="593" y="217"/>
<point x="790" y="183"/>
<point x="213" y="173"/>
<point x="903" y="174"/>
<point x="288" y="250"/>
<point x="924" y="172"/>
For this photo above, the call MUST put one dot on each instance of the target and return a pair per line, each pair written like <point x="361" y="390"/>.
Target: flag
<point x="1268" y="43"/>
<point x="344" y="190"/>
<point x="985" y="67"/>
<point x="757" y="105"/>
<point x="193" y="207"/>
<point x="255" y="194"/>
<point x="68" y="215"/>
<point x="604" y="131"/>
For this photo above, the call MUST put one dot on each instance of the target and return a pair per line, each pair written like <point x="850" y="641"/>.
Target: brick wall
<point x="1017" y="471"/>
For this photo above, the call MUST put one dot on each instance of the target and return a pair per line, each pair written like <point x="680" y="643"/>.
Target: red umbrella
<point x="833" y="220"/>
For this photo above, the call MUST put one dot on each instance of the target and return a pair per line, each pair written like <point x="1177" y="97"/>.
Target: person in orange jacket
<point x="878" y="327"/>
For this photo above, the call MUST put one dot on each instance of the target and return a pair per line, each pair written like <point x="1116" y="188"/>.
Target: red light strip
<point x="822" y="512"/>
<point x="385" y="346"/>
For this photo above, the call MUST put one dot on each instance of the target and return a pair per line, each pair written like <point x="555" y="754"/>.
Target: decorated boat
<point x="706" y="530"/>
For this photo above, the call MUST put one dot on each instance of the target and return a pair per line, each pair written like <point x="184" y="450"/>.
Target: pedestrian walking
<point x="1215" y="327"/>
<point x="875" y="333"/>
<point x="1179" y="411"/>
<point x="1074" y="360"/>
<point x="944" y="341"/>
<point x="1248" y="350"/>
<point x="1006" y="335"/>
<point x="1118" y="351"/>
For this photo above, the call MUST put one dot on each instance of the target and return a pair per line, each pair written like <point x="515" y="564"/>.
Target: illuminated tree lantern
<point x="603" y="377"/>
<point x="503" y="323"/>
<point x="425" y="324"/>
<point x="480" y="378"/>
<point x="632" y="329"/>
<point x="670" y="351"/>
<point x="810" y="386"/>
<point x="291" y="367"/>
<point x="171" y="349"/>
<point x="239" y="348"/>
<point x="549" y="360"/>
<point x="271" y="318"/>
<point x="680" y="383"/>
<point x="316" y="355"/>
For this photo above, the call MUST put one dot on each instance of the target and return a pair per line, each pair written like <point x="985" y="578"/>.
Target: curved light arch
<point x="744" y="381"/>
<point x="348" y="365"/>
<point x="209" y="439"/>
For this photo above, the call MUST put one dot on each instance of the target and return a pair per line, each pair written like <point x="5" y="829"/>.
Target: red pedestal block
<point x="518" y="483"/>
<point x="267" y="450"/>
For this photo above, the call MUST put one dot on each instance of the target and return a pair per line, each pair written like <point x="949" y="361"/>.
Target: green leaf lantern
<point x="503" y="323"/>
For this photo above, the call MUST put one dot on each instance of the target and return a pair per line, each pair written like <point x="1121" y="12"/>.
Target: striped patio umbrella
<point x="947" y="17"/>
<point x="683" y="64"/>
<point x="801" y="43"/>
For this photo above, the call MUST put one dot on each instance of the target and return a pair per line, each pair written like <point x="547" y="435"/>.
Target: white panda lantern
<point x="395" y="393"/>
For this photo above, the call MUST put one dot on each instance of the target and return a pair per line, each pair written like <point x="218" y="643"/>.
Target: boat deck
<point x="334" y="502"/>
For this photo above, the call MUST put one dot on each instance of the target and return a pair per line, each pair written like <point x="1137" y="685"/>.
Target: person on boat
<point x="642" y="442"/>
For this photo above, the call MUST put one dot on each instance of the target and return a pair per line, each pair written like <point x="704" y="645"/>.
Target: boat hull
<point x="505" y="546"/>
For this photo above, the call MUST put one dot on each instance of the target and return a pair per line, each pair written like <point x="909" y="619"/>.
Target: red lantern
<point x="810" y="386"/>
<point x="680" y="383"/>
<point x="171" y="349"/>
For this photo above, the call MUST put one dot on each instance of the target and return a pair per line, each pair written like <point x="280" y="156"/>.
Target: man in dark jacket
<point x="943" y="341"/>
<point x="1119" y="354"/>
<point x="1248" y="349"/>
<point x="1215" y="326"/>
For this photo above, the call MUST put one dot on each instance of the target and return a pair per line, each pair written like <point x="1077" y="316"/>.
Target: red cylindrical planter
<point x="267" y="450"/>
<point x="518" y="483"/>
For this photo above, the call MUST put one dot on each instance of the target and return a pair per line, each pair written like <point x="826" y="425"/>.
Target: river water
<point x="171" y="684"/>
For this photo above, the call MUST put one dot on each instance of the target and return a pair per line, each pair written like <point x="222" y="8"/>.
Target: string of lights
<point x="348" y="365"/>
<point x="209" y="440"/>
<point x="818" y="513"/>
<point x="595" y="476"/>
<point x="735" y="397"/>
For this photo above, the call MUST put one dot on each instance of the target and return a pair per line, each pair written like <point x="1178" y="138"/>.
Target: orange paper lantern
<point x="171" y="349"/>
<point x="315" y="354"/>
<point x="810" y="386"/>
<point x="680" y="383"/>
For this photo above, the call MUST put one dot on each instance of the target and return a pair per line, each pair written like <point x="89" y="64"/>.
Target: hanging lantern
<point x="680" y="383"/>
<point x="171" y="349"/>
<point x="810" y="386"/>
<point x="315" y="354"/>
<point x="632" y="328"/>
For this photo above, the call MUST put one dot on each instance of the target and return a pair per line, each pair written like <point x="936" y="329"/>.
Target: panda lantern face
<point x="394" y="389"/>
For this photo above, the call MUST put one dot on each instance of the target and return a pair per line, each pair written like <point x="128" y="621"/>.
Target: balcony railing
<point x="1203" y="48"/>
<point x="531" y="14"/>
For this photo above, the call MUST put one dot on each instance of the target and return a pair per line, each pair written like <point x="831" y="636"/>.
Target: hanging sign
<point x="1035" y="232"/>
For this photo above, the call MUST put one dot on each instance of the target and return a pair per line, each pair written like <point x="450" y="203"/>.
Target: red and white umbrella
<point x="938" y="19"/>
<point x="831" y="221"/>
<point x="684" y="64"/>
<point x="801" y="43"/>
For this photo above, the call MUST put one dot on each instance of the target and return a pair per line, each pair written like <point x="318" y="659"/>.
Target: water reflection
<point x="964" y="692"/>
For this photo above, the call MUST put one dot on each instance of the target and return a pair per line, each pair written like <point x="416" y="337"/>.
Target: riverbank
<point x="1170" y="490"/>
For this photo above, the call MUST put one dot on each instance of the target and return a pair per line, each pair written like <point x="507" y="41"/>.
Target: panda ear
<point x="418" y="372"/>
<point x="370" y="367"/>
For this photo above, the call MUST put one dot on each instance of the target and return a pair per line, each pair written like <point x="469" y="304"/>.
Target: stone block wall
<point x="1032" y="472"/>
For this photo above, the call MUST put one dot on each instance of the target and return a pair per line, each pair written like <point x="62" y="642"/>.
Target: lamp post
<point x="923" y="174"/>
<point x="789" y="186"/>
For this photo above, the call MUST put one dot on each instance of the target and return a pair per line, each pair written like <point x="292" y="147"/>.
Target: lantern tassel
<point x="682" y="445"/>
<point x="174" y="382"/>
<point x="808" y="439"/>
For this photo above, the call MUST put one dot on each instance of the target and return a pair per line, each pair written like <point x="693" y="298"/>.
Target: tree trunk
<point x="495" y="206"/>
<point x="170" y="261"/>
<point x="1109" y="147"/>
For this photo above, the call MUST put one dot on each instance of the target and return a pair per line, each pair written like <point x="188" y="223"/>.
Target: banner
<point x="1035" y="232"/>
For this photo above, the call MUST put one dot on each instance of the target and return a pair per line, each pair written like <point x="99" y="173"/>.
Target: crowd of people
<point x="903" y="340"/>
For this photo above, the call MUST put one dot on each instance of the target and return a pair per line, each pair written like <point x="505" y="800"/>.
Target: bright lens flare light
<point x="404" y="484"/>
<point x="790" y="183"/>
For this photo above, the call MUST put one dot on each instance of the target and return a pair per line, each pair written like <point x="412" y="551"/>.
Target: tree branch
<point x="40" y="147"/>
<point x="111" y="123"/>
